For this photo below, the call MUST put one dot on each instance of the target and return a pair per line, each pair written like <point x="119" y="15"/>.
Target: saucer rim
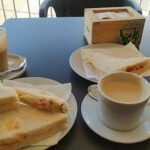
<point x="14" y="74"/>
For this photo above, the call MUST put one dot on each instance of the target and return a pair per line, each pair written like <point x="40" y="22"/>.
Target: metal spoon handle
<point x="93" y="92"/>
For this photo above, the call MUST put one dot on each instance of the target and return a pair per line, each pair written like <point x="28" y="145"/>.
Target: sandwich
<point x="26" y="125"/>
<point x="102" y="64"/>
<point x="41" y="99"/>
<point x="8" y="98"/>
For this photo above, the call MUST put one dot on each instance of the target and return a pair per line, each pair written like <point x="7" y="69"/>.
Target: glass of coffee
<point x="3" y="50"/>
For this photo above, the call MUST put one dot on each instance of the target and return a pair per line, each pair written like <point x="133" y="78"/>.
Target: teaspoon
<point x="92" y="90"/>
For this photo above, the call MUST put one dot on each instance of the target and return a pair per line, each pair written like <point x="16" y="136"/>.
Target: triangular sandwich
<point x="103" y="64"/>
<point x="42" y="99"/>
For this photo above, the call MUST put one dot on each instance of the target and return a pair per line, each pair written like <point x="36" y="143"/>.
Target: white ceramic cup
<point x="122" y="116"/>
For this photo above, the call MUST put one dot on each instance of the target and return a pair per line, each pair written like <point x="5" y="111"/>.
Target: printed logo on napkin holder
<point x="130" y="32"/>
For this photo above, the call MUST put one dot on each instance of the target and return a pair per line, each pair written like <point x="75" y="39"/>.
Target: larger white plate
<point x="71" y="102"/>
<point x="92" y="119"/>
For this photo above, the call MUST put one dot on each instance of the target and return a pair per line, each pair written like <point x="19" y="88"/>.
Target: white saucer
<point x="71" y="102"/>
<point x="91" y="118"/>
<point x="12" y="60"/>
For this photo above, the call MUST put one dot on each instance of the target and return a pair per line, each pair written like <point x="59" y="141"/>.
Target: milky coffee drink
<point x="3" y="51"/>
<point x="122" y="89"/>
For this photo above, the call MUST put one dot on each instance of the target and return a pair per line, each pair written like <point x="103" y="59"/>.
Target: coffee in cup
<point x="122" y="89"/>
<point x="122" y="99"/>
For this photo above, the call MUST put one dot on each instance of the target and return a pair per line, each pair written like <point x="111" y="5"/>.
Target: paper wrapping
<point x="118" y="51"/>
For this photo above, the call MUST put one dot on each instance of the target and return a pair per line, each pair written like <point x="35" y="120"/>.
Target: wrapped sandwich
<point x="102" y="64"/>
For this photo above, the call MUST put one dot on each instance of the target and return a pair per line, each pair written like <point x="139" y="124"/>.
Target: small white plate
<point x="12" y="62"/>
<point x="71" y="102"/>
<point x="91" y="118"/>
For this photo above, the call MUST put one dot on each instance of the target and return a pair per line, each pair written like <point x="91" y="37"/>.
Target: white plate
<point x="91" y="118"/>
<point x="72" y="101"/>
<point x="12" y="60"/>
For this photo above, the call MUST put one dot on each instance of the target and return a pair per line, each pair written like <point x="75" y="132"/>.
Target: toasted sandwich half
<point x="42" y="99"/>
<point x="26" y="125"/>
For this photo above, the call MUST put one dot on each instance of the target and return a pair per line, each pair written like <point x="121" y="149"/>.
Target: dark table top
<point x="48" y="43"/>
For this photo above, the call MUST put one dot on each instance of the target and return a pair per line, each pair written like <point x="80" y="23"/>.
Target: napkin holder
<point x="118" y="30"/>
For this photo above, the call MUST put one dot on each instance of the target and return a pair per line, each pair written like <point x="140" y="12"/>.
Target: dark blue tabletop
<point x="48" y="43"/>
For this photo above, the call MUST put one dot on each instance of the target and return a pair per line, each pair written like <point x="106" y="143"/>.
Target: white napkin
<point x="62" y="90"/>
<point x="112" y="15"/>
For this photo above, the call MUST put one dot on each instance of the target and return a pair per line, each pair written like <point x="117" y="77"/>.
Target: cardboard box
<point x="118" y="30"/>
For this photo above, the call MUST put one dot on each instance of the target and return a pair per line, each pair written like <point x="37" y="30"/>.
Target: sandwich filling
<point x="42" y="99"/>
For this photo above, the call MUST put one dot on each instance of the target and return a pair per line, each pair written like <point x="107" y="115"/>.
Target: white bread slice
<point x="8" y="95"/>
<point x="42" y="99"/>
<point x="26" y="125"/>
<point x="103" y="64"/>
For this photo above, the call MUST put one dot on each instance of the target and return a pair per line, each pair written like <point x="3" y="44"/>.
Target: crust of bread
<point x="8" y="95"/>
<point x="7" y="107"/>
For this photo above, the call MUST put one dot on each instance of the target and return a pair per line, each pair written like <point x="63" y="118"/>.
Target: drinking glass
<point x="3" y="50"/>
